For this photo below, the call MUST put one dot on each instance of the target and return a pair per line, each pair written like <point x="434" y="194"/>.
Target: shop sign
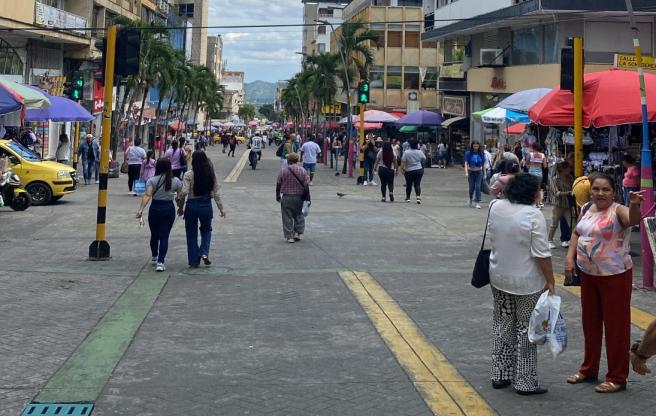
<point x="453" y="105"/>
<point x="630" y="61"/>
<point x="498" y="83"/>
<point x="98" y="97"/>
<point x="455" y="71"/>
<point x="331" y="109"/>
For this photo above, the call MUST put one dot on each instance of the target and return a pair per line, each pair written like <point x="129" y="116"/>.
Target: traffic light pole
<point x="99" y="249"/>
<point x="76" y="143"/>
<point x="362" y="153"/>
<point x="578" y="106"/>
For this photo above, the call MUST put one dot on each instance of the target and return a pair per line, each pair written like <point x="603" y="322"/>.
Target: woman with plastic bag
<point x="600" y="247"/>
<point x="520" y="270"/>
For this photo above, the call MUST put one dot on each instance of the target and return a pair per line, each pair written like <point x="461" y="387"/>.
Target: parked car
<point x="45" y="180"/>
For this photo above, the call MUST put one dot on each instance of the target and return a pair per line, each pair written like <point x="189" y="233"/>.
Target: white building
<point x="233" y="84"/>
<point x="316" y="39"/>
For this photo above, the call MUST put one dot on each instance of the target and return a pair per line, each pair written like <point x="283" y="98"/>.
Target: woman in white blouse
<point x="520" y="270"/>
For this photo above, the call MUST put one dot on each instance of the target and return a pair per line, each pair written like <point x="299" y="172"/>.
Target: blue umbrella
<point x="9" y="102"/>
<point x="421" y="118"/>
<point x="61" y="110"/>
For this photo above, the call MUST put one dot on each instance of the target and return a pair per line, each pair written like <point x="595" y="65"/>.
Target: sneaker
<point x="298" y="237"/>
<point x="564" y="244"/>
<point x="160" y="267"/>
<point x="407" y="200"/>
<point x="291" y="240"/>
<point x="153" y="260"/>
<point x="552" y="245"/>
<point x="373" y="183"/>
<point x="383" y="200"/>
<point x="97" y="181"/>
<point x="419" y="201"/>
<point x="470" y="203"/>
<point x="477" y="206"/>
<point x="391" y="198"/>
<point x="366" y="183"/>
<point x="311" y="183"/>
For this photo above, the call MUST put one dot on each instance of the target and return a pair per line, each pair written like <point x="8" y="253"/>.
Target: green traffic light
<point x="79" y="82"/>
<point x="365" y="87"/>
<point x="363" y="98"/>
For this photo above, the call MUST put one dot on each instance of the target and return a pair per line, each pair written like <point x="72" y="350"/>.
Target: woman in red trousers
<point x="600" y="244"/>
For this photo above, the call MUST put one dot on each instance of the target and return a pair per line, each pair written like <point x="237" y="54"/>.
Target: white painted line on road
<point x="236" y="171"/>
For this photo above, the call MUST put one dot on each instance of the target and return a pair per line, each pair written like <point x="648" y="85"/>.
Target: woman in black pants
<point x="412" y="168"/>
<point x="387" y="165"/>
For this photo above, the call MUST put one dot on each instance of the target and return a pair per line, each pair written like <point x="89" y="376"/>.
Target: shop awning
<point x="449" y="122"/>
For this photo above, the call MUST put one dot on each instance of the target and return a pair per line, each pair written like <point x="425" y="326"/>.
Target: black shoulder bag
<point x="481" y="274"/>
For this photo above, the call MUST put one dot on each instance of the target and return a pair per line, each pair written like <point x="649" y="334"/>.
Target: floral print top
<point x="603" y="246"/>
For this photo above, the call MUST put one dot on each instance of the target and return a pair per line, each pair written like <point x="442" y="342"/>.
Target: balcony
<point x="429" y="21"/>
<point x="48" y="16"/>
<point x="452" y="77"/>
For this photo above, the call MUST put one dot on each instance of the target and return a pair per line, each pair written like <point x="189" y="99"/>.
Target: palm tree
<point x="354" y="42"/>
<point x="321" y="73"/>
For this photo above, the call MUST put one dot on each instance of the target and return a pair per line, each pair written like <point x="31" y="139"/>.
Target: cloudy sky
<point x="266" y="54"/>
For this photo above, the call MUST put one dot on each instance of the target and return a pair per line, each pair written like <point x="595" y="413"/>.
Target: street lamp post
<point x="348" y="96"/>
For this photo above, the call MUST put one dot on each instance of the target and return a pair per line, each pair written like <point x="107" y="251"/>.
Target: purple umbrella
<point x="9" y="102"/>
<point x="421" y="118"/>
<point x="61" y="110"/>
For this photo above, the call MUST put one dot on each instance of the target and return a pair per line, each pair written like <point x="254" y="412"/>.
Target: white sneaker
<point x="564" y="244"/>
<point x="373" y="183"/>
<point x="298" y="237"/>
<point x="291" y="240"/>
<point x="160" y="267"/>
<point x="366" y="183"/>
<point x="153" y="261"/>
<point x="477" y="206"/>
<point x="97" y="181"/>
<point x="552" y="245"/>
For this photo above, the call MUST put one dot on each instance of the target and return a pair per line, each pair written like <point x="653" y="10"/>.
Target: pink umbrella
<point x="252" y="123"/>
<point x="368" y="126"/>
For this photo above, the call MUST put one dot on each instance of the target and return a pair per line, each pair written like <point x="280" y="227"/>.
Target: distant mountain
<point x="260" y="92"/>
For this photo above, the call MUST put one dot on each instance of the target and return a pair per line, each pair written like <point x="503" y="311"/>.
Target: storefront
<point x="455" y="129"/>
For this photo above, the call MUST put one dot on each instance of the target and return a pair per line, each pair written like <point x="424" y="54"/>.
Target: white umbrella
<point x="523" y="100"/>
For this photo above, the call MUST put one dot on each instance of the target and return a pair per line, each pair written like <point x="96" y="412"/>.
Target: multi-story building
<point x="316" y="39"/>
<point x="196" y="12"/>
<point x="403" y="76"/>
<point x="280" y="88"/>
<point x="493" y="48"/>
<point x="155" y="11"/>
<point x="233" y="85"/>
<point x="215" y="55"/>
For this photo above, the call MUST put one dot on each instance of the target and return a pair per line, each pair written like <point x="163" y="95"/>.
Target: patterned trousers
<point x="513" y="356"/>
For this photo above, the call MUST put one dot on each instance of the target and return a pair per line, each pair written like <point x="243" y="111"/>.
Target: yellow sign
<point x="630" y="61"/>
<point x="331" y="109"/>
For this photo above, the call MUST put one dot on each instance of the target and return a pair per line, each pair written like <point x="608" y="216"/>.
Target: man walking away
<point x="233" y="145"/>
<point x="255" y="144"/>
<point x="89" y="152"/>
<point x="309" y="151"/>
<point x="290" y="189"/>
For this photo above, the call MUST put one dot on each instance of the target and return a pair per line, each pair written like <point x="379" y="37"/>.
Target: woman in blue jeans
<point x="199" y="188"/>
<point x="161" y="189"/>
<point x="475" y="172"/>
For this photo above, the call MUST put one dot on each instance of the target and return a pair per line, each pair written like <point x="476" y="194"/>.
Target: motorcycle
<point x="12" y="194"/>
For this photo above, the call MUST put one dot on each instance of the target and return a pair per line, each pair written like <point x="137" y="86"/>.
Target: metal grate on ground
<point x="58" y="409"/>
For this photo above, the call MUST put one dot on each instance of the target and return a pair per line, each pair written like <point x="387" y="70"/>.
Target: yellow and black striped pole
<point x="99" y="249"/>
<point x="361" y="158"/>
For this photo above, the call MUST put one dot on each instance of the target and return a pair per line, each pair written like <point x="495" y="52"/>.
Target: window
<point x="411" y="78"/>
<point x="186" y="10"/>
<point x="394" y="39"/>
<point x="10" y="62"/>
<point x="411" y="39"/>
<point x="52" y="3"/>
<point x="321" y="47"/>
<point x="326" y="12"/>
<point x="412" y="28"/>
<point x="551" y="46"/>
<point x="527" y="46"/>
<point x="381" y="38"/>
<point x="321" y="30"/>
<point x="393" y="79"/>
<point x="430" y="79"/>
<point x="429" y="45"/>
<point x="376" y="76"/>
<point x="410" y="3"/>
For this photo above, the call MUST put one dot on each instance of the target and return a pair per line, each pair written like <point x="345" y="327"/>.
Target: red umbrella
<point x="517" y="128"/>
<point x="368" y="126"/>
<point x="610" y="98"/>
<point x="176" y="125"/>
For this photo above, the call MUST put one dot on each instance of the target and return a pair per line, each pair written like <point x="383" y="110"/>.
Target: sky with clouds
<point x="266" y="54"/>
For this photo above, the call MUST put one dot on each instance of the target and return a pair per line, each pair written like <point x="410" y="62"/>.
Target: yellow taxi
<point x="45" y="180"/>
<point x="241" y="139"/>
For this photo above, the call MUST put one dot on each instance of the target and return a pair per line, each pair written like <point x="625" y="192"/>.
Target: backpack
<point x="280" y="149"/>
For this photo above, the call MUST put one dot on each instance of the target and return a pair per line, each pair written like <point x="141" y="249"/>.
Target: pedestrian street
<point x="370" y="313"/>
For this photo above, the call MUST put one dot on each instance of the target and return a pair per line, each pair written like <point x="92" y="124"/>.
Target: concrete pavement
<point x="271" y="327"/>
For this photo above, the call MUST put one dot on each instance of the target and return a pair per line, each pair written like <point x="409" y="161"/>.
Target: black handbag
<point x="481" y="274"/>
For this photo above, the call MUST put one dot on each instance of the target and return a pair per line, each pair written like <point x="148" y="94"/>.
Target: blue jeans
<point x="475" y="183"/>
<point x="161" y="216"/>
<point x="198" y="210"/>
<point x="368" y="169"/>
<point x="626" y="194"/>
<point x="565" y="231"/>
<point x="88" y="167"/>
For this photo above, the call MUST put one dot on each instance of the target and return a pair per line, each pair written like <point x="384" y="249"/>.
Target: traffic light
<point x="99" y="63"/>
<point x="567" y="69"/>
<point x="363" y="92"/>
<point x="128" y="50"/>
<point x="78" y="88"/>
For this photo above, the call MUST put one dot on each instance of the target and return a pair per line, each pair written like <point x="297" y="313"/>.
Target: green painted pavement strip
<point x="84" y="374"/>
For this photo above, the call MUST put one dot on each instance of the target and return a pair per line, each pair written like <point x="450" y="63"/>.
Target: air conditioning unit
<point x="491" y="57"/>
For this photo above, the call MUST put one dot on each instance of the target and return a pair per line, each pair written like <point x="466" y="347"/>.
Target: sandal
<point x="580" y="378"/>
<point x="610" y="387"/>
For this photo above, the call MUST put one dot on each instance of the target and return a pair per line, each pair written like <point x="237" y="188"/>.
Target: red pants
<point x="606" y="305"/>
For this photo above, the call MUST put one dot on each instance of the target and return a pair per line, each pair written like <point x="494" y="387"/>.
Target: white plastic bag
<point x="306" y="208"/>
<point x="547" y="324"/>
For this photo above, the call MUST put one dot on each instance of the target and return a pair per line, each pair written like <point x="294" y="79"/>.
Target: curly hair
<point x="522" y="189"/>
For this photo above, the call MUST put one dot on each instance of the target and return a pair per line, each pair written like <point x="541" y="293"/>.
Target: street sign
<point x="630" y="61"/>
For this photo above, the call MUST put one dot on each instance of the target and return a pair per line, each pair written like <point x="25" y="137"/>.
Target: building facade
<point x="499" y="47"/>
<point x="316" y="39"/>
<point x="215" y="55"/>
<point x="403" y="76"/>
<point x="234" y="93"/>
<point x="196" y="14"/>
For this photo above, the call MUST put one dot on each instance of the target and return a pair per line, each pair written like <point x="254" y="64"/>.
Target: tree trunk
<point x="158" y="113"/>
<point x="141" y="110"/>
<point x="348" y="132"/>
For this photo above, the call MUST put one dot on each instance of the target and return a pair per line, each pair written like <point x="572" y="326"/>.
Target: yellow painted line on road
<point x="443" y="389"/>
<point x="236" y="171"/>
<point x="639" y="318"/>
